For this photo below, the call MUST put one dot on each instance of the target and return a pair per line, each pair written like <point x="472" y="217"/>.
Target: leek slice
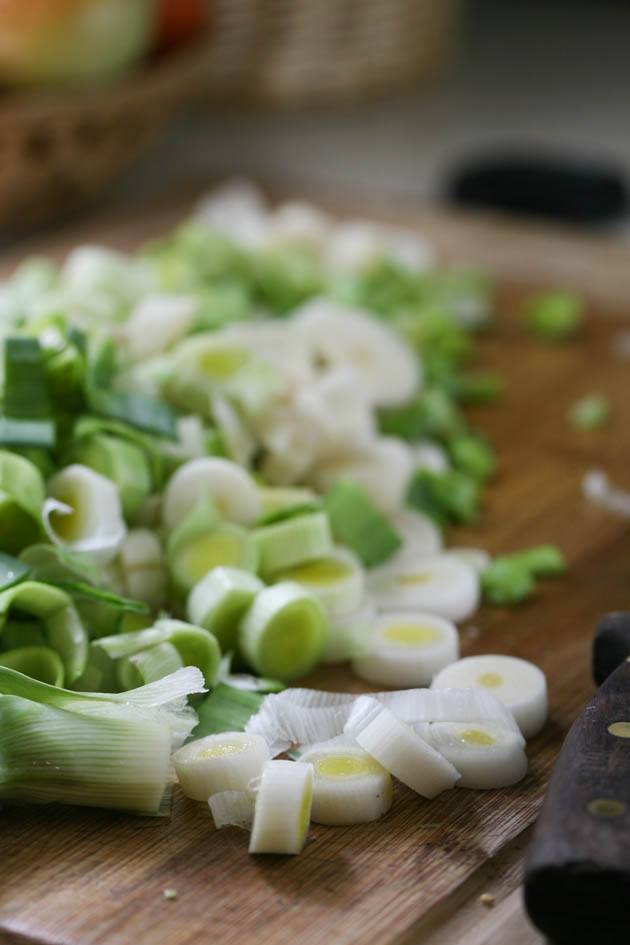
<point x="293" y="542"/>
<point x="444" y="585"/>
<point x="40" y="662"/>
<point x="349" y="633"/>
<point x="407" y="756"/>
<point x="22" y="495"/>
<point x="193" y="550"/>
<point x="83" y="513"/>
<point x="143" y="572"/>
<point x="407" y="649"/>
<point x="26" y="401"/>
<point x="486" y="755"/>
<point x="147" y="666"/>
<point x="278" y="499"/>
<point x="338" y="580"/>
<point x="282" y="810"/>
<point x="232" y="809"/>
<point x="349" y="786"/>
<point x="220" y="481"/>
<point x="63" y="628"/>
<point x="283" y="633"/>
<point x="219" y="600"/>
<point x="223" y="762"/>
<point x="122" y="462"/>
<point x="357" y="523"/>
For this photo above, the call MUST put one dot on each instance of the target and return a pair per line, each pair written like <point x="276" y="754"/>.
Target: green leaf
<point x="81" y="590"/>
<point x="12" y="571"/>
<point x="226" y="709"/>
<point x="447" y="497"/>
<point x="145" y="413"/>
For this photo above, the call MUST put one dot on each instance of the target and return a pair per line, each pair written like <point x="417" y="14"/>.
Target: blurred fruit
<point x="180" y="21"/>
<point x="52" y="41"/>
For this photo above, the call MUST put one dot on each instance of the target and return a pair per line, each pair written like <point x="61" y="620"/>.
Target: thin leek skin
<point x="39" y="662"/>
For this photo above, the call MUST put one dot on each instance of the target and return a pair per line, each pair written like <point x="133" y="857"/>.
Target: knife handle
<point x="577" y="877"/>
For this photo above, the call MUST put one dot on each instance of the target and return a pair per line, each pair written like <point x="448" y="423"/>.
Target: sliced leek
<point x="441" y="585"/>
<point x="219" y="600"/>
<point x="224" y="483"/>
<point x="407" y="756"/>
<point x="232" y="809"/>
<point x="40" y="662"/>
<point x="144" y="574"/>
<point x="485" y="754"/>
<point x="282" y="809"/>
<point x="517" y="683"/>
<point x="83" y="513"/>
<point x="338" y="580"/>
<point x="293" y="542"/>
<point x="349" y="786"/>
<point x="22" y="495"/>
<point x="349" y="634"/>
<point x="225" y="762"/>
<point x="283" y="633"/>
<point x="194" y="550"/>
<point x="407" y="649"/>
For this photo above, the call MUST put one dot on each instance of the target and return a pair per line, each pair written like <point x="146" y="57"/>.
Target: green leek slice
<point x="39" y="662"/>
<point x="293" y="541"/>
<point x="219" y="600"/>
<point x="22" y="495"/>
<point x="283" y="633"/>
<point x="357" y="523"/>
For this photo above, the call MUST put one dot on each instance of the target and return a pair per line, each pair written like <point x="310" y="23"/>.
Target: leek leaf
<point x="226" y="709"/>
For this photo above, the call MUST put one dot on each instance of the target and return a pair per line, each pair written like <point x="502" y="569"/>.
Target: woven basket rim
<point x="176" y="71"/>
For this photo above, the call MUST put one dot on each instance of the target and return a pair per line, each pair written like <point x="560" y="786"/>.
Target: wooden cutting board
<point x="83" y="877"/>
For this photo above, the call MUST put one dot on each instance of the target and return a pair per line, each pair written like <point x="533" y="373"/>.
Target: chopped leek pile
<point x="240" y="445"/>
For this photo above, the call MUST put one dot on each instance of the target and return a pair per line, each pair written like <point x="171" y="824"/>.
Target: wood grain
<point x="82" y="877"/>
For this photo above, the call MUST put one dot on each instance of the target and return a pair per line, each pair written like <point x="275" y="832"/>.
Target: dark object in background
<point x="611" y="645"/>
<point x="534" y="185"/>
<point x="577" y="876"/>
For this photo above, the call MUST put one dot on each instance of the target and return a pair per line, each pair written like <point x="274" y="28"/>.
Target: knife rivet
<point x="620" y="729"/>
<point x="606" y="807"/>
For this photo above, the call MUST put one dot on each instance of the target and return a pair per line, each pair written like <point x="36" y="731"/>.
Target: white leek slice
<point x="356" y="244"/>
<point x="388" y="369"/>
<point x="431" y="456"/>
<point x="307" y="716"/>
<point x="348" y="634"/>
<point x="350" y="787"/>
<point x="407" y="756"/>
<point x="282" y="811"/>
<point x="338" y="580"/>
<point x="292" y="542"/>
<point x="83" y="513"/>
<point x="232" y="809"/>
<point x="440" y="585"/>
<point x="382" y="469"/>
<point x="407" y="649"/>
<point x="485" y="754"/>
<point x="142" y="567"/>
<point x="239" y="443"/>
<point x="224" y="762"/>
<point x="517" y="683"/>
<point x="335" y="407"/>
<point x="219" y="600"/>
<point x="224" y="483"/>
<point x="421" y="536"/>
<point x="476" y="558"/>
<point x="274" y="499"/>
<point x="157" y="322"/>
<point x="598" y="488"/>
<point x="238" y="210"/>
<point x="282" y="635"/>
<point x="300" y="223"/>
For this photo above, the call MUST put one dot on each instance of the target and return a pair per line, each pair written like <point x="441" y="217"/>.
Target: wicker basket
<point x="59" y="149"/>
<point x="293" y="51"/>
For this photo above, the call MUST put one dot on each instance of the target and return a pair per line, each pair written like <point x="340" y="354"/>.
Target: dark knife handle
<point x="577" y="877"/>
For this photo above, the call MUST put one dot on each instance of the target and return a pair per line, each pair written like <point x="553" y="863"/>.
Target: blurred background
<point x="115" y="102"/>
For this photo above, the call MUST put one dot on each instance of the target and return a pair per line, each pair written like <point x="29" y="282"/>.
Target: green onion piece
<point x="472" y="455"/>
<point x="196" y="547"/>
<point x="12" y="571"/>
<point x="357" y="523"/>
<point x="219" y="600"/>
<point x="590" y="412"/>
<point x="507" y="581"/>
<point x="39" y="662"/>
<point x="26" y="410"/>
<point x="226" y="709"/>
<point x="283" y="633"/>
<point x="123" y="462"/>
<point x="293" y="541"/>
<point x="64" y="630"/>
<point x="478" y="387"/>
<point x="291" y="511"/>
<point x="152" y="416"/>
<point x="543" y="561"/>
<point x="147" y="666"/>
<point x="554" y="316"/>
<point x="22" y="495"/>
<point x="432" y="414"/>
<point x="451" y="496"/>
